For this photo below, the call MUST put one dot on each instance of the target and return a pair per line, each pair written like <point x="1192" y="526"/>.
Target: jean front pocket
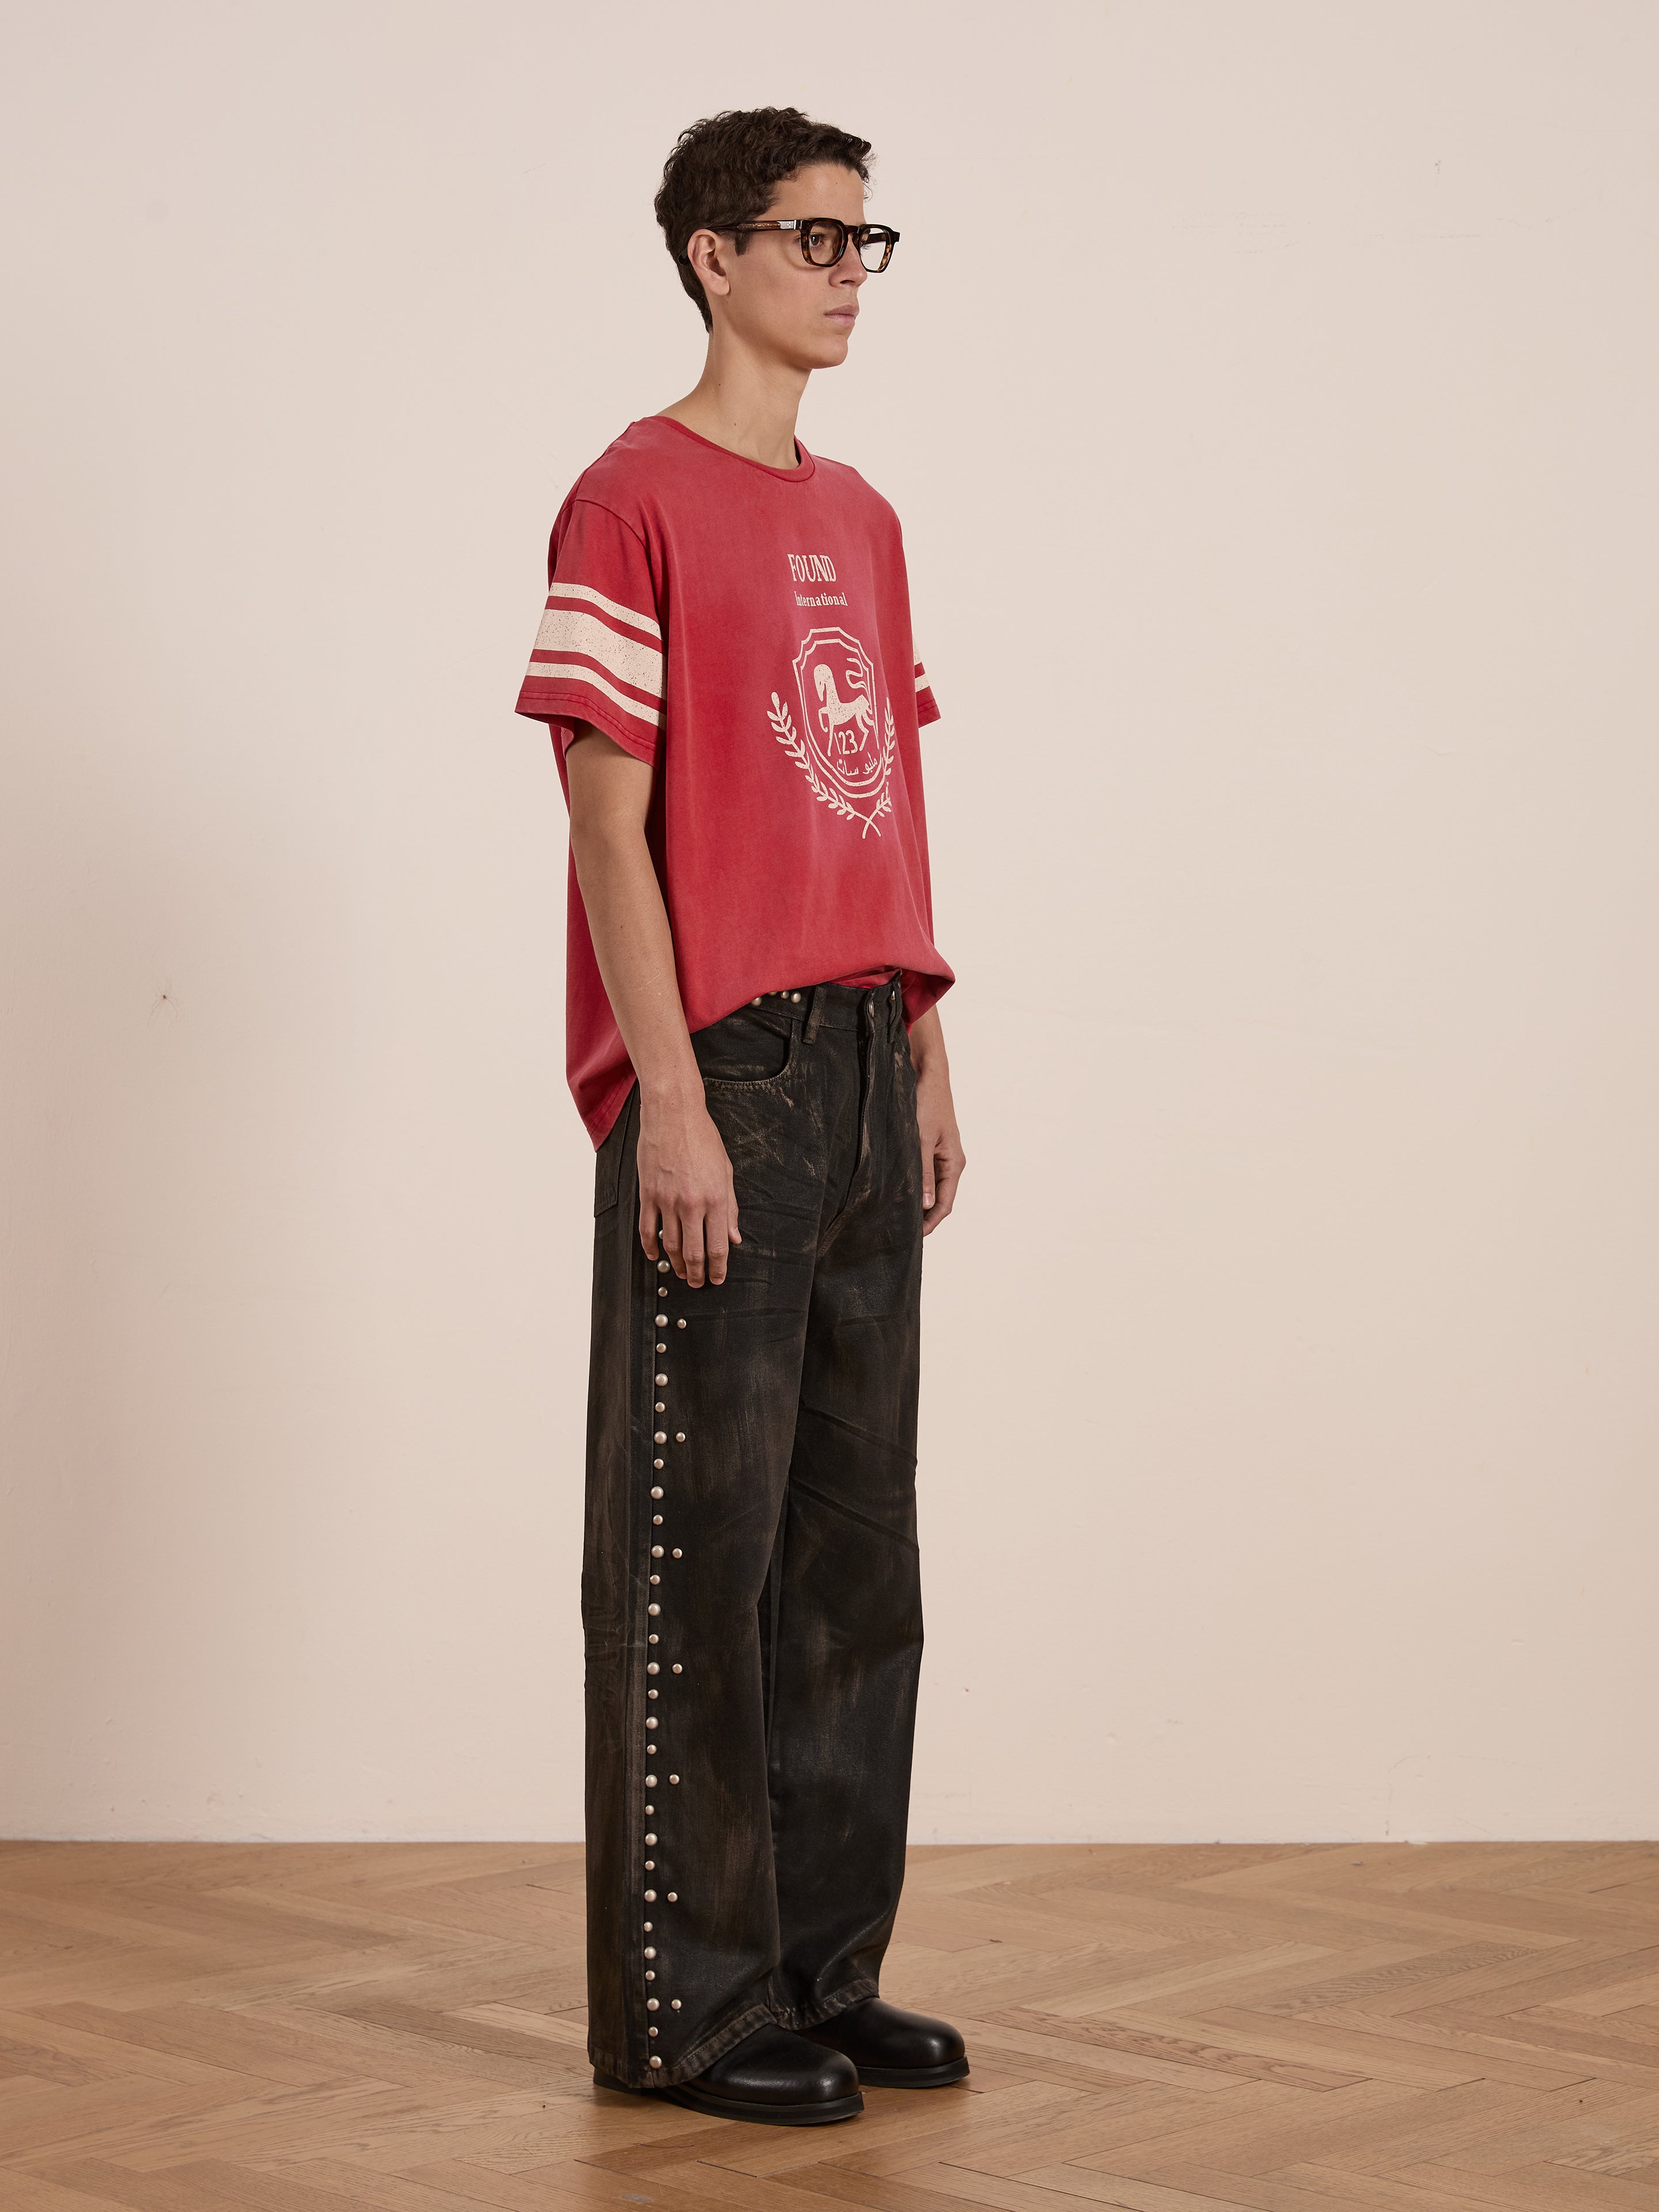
<point x="751" y="1046"/>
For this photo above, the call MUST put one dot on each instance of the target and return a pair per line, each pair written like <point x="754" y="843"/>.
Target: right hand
<point x="686" y="1181"/>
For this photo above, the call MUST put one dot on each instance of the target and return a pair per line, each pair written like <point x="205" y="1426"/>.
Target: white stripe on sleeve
<point x="572" y="672"/>
<point x="608" y="606"/>
<point x="564" y="631"/>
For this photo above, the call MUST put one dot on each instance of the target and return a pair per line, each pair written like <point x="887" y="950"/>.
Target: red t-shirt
<point x="746" y="631"/>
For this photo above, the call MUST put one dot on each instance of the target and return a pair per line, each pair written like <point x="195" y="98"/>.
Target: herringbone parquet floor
<point x="1292" y="2028"/>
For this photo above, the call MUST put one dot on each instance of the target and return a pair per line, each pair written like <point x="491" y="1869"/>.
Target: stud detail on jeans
<point x="657" y="1464"/>
<point x="674" y="1897"/>
<point x="653" y="2004"/>
<point x="656" y="1490"/>
<point x="661" y="1380"/>
<point x="661" y="1438"/>
<point x="661" y="1267"/>
<point x="653" y="1609"/>
<point x="657" y="1550"/>
<point x="674" y="2004"/>
<point x="655" y="2061"/>
<point x="679" y="1324"/>
<point x="679" y="1435"/>
<point x="650" y="1897"/>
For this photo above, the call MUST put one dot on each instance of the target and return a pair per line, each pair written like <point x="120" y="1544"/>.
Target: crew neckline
<point x="800" y="474"/>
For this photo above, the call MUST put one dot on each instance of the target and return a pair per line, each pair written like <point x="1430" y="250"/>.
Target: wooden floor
<point x="309" y="2029"/>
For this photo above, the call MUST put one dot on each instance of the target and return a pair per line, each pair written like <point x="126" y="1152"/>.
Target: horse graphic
<point x="834" y="712"/>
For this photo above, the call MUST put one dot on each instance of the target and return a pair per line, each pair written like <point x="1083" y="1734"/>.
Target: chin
<point x="830" y="350"/>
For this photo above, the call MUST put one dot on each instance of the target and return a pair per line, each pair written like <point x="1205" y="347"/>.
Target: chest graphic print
<point x="841" y="746"/>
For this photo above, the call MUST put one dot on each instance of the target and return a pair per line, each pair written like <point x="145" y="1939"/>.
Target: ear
<point x="705" y="251"/>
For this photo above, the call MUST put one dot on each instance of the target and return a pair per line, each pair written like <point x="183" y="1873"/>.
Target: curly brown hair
<point x="725" y="169"/>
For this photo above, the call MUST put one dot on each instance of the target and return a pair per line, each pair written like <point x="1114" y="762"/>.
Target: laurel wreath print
<point x="782" y="728"/>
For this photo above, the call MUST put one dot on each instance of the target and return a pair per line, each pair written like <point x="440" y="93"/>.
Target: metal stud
<point x="651" y="2031"/>
<point x="661" y="1407"/>
<point x="650" y="1950"/>
<point x="653" y="1609"/>
<point x="652" y="1667"/>
<point x="678" y="1554"/>
<point x="654" y="1581"/>
<point x="661" y="1267"/>
<point x="651" y="1839"/>
<point x="674" y="1897"/>
<point x="651" y="1782"/>
<point x="679" y="1435"/>
<point x="651" y="1723"/>
<point x="657" y="1464"/>
<point x="661" y="1347"/>
<point x="650" y="1897"/>
<point x="651" y="1866"/>
<point x="662" y="1321"/>
<point x="678" y="1668"/>
<point x="650" y="1975"/>
<point x="754" y="1002"/>
<point x="661" y="1438"/>
<point x="655" y="2061"/>
<point x="795" y="997"/>
<point x="655" y="1520"/>
<point x="653" y="1638"/>
<point x="661" y="1380"/>
<point x="653" y="2004"/>
<point x="653" y="1693"/>
<point x="673" y="1777"/>
<point x="674" y="2004"/>
<point x="657" y="1550"/>
<point x="679" y="1324"/>
<point x="656" y="1490"/>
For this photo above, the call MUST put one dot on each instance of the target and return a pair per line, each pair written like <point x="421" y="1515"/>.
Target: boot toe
<point x="894" y="2049"/>
<point x="776" y="2067"/>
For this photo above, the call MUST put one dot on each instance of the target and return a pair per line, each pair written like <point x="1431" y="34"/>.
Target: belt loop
<point x="813" y="1012"/>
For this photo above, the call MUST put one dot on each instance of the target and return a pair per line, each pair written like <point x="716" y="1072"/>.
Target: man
<point x="726" y="666"/>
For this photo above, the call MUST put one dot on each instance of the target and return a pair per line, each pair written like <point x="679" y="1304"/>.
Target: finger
<point x="715" y="1243"/>
<point x="648" y="1225"/>
<point x="672" y="1244"/>
<point x="691" y="1244"/>
<point x="948" y="1174"/>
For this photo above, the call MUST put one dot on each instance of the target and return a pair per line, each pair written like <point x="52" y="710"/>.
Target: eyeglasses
<point x="824" y="240"/>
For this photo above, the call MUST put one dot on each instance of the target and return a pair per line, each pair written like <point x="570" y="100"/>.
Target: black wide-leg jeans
<point x="750" y="1596"/>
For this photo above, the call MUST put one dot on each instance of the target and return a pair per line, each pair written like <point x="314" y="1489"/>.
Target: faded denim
<point x="746" y="1802"/>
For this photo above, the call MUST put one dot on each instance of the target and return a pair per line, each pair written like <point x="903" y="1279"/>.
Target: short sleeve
<point x="927" y="707"/>
<point x="598" y="654"/>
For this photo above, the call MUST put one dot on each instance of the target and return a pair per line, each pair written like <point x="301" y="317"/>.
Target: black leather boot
<point x="894" y="2049"/>
<point x="773" y="2076"/>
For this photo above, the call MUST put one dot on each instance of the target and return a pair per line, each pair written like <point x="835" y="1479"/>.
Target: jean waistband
<point x="835" y="1005"/>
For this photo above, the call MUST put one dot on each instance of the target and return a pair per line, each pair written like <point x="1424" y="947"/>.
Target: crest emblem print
<point x="843" y="751"/>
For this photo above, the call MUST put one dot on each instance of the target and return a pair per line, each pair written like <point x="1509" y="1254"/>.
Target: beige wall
<point x="1268" y="390"/>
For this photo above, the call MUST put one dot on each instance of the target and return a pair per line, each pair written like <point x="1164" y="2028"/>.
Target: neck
<point x="744" y="402"/>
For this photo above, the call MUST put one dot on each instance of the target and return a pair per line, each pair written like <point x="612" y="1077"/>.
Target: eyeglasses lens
<point x="824" y="243"/>
<point x="875" y="249"/>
